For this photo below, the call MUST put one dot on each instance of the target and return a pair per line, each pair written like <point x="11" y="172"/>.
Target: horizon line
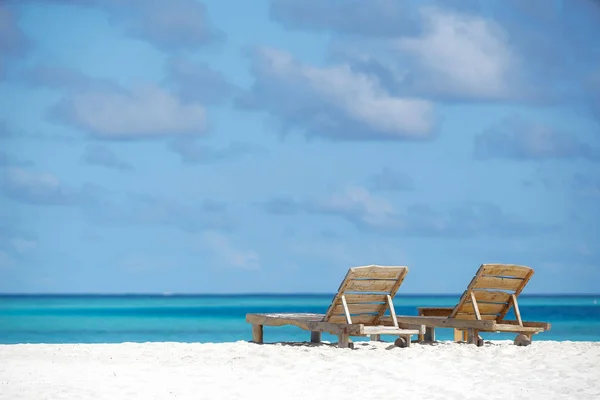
<point x="166" y="294"/>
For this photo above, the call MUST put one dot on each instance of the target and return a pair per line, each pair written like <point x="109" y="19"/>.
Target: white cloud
<point x="335" y="101"/>
<point x="229" y="254"/>
<point x="356" y="203"/>
<point x="147" y="111"/>
<point x="462" y="54"/>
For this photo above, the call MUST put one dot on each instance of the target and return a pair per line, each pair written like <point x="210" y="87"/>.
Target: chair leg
<point x="343" y="341"/>
<point x="375" y="338"/>
<point x="429" y="334"/>
<point x="257" y="333"/>
<point x="473" y="337"/>
<point x="315" y="337"/>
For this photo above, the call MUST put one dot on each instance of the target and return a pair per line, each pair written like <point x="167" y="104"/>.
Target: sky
<point x="223" y="146"/>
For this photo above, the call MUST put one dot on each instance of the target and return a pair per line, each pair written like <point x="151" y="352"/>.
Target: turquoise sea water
<point x="221" y="318"/>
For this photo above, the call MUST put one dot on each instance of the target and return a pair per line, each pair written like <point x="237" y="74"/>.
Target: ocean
<point x="221" y="318"/>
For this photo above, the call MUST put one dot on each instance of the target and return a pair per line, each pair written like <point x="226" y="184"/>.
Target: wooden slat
<point x="443" y="322"/>
<point x="518" y="271"/>
<point x="435" y="311"/>
<point x="378" y="273"/>
<point x="492" y="282"/>
<point x="352" y="298"/>
<point x="370" y="286"/>
<point x="358" y="308"/>
<point x="309" y="322"/>
<point x="356" y="319"/>
<point x="517" y="293"/>
<point x="491" y="296"/>
<point x="472" y="316"/>
<point x="484" y="308"/>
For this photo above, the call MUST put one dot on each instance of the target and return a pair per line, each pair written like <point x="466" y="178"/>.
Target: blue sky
<point x="227" y="146"/>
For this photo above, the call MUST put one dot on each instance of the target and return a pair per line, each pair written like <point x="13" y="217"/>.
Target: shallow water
<point x="221" y="318"/>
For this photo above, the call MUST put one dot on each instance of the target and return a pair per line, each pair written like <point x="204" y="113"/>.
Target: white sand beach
<point x="241" y="370"/>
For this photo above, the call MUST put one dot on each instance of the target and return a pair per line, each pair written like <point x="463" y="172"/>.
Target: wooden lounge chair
<point x="361" y="301"/>
<point x="482" y="308"/>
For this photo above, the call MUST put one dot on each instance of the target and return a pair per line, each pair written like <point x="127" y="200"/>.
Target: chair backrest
<point x="363" y="293"/>
<point x="495" y="289"/>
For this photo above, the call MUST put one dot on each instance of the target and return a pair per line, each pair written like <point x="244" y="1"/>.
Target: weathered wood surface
<point x="378" y="272"/>
<point x="531" y="324"/>
<point x="309" y="322"/>
<point x="517" y="271"/>
<point x="435" y="311"/>
<point x="471" y="316"/>
<point x="358" y="308"/>
<point x="257" y="333"/>
<point x="389" y="330"/>
<point x="356" y="319"/>
<point x="484" y="308"/>
<point x="352" y="298"/>
<point x="491" y="296"/>
<point x="496" y="282"/>
<point x="370" y="285"/>
<point x="367" y="279"/>
<point x="444" y="322"/>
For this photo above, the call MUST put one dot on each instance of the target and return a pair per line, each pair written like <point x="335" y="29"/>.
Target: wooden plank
<point x="484" y="308"/>
<point x="542" y="325"/>
<point x="356" y="319"/>
<point x="306" y="321"/>
<point x="488" y="317"/>
<point x="474" y="305"/>
<point x="257" y="333"/>
<point x="517" y="328"/>
<point x="491" y="296"/>
<point x="389" y="330"/>
<point x="435" y="311"/>
<point x="444" y="322"/>
<point x="358" y="308"/>
<point x="369" y="285"/>
<point x="352" y="298"/>
<point x="518" y="271"/>
<point x="376" y="272"/>
<point x="493" y="282"/>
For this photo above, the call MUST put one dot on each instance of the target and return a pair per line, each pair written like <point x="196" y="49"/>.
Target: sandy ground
<point x="241" y="370"/>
